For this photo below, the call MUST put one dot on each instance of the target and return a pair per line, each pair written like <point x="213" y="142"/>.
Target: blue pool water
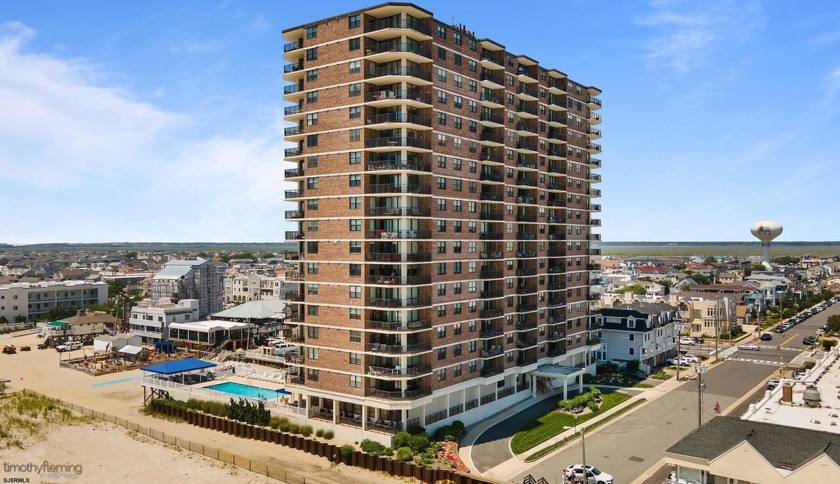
<point x="242" y="390"/>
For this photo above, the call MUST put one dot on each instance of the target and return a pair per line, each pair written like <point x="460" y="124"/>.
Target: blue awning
<point x="179" y="366"/>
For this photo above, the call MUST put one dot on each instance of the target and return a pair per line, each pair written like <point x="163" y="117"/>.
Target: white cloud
<point x="84" y="161"/>
<point x="687" y="33"/>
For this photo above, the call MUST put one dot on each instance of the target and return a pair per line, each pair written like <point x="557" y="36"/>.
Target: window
<point x="457" y="122"/>
<point x="354" y="21"/>
<point x="441" y="268"/>
<point x="355" y="247"/>
<point x="356" y="180"/>
<point x="312" y="183"/>
<point x="355" y="381"/>
<point x="312" y="161"/>
<point x="312" y="119"/>
<point x="355" y="270"/>
<point x="441" y="32"/>
<point x="312" y="75"/>
<point x="471" y="345"/>
<point x="441" y="183"/>
<point x="312" y="247"/>
<point x="441" y="204"/>
<point x="441" y="75"/>
<point x="456" y="269"/>
<point x="458" y="80"/>
<point x="355" y="89"/>
<point x="355" y="359"/>
<point x="355" y="112"/>
<point x="355" y="157"/>
<point x="456" y="205"/>
<point x="457" y="59"/>
<point x="312" y="289"/>
<point x="457" y="164"/>
<point x="441" y="225"/>
<point x="312" y="140"/>
<point x="355" y="336"/>
<point x="472" y="85"/>
<point x="312" y="268"/>
<point x="312" y="32"/>
<point x="441" y="95"/>
<point x="458" y="102"/>
<point x="311" y="353"/>
<point x="355" y="67"/>
<point x="312" y="226"/>
<point x="441" y="374"/>
<point x="355" y="313"/>
<point x="441" y="353"/>
<point x="355" y="203"/>
<point x="441" y="288"/>
<point x="441" y="333"/>
<point x="457" y="184"/>
<point x="355" y="292"/>
<point x="312" y="374"/>
<point x="312" y="54"/>
<point x="441" y="53"/>
<point x="312" y="97"/>
<point x="441" y="311"/>
<point x="457" y="308"/>
<point x="355" y="44"/>
<point x="312" y="332"/>
<point x="355" y="224"/>
<point x="441" y="119"/>
<point x="456" y="370"/>
<point x="457" y="289"/>
<point x="441" y="247"/>
<point x="456" y="37"/>
<point x="354" y="135"/>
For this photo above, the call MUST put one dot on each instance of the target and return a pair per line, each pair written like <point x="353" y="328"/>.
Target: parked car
<point x="780" y="329"/>
<point x="593" y="474"/>
<point x="809" y="340"/>
<point x="9" y="349"/>
<point x="698" y="339"/>
<point x="772" y="384"/>
<point x="686" y="360"/>
<point x="691" y="358"/>
<point x="43" y="345"/>
<point x="766" y="337"/>
<point x="69" y="346"/>
<point x="25" y="348"/>
<point x="748" y="347"/>
<point x="687" y="341"/>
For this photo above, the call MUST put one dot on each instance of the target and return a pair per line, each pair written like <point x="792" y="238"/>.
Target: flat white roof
<point x="207" y="326"/>
<point x="826" y="378"/>
<point x="49" y="284"/>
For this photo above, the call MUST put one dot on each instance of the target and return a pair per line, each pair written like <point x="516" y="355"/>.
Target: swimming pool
<point x="242" y="390"/>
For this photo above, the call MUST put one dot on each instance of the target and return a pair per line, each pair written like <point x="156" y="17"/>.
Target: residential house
<point x="644" y="332"/>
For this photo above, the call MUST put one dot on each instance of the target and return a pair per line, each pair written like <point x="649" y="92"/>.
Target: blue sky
<point x="162" y="121"/>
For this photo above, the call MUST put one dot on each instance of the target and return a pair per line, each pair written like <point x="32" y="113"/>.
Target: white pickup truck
<point x="69" y="346"/>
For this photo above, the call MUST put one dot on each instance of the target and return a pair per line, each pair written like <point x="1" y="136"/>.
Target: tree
<point x="710" y="261"/>
<point x="700" y="278"/>
<point x="115" y="288"/>
<point x="634" y="288"/>
<point x="131" y="255"/>
<point x="20" y="318"/>
<point x="4" y="320"/>
<point x="833" y="323"/>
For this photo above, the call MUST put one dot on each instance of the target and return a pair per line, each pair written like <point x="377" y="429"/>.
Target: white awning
<point x="557" y="371"/>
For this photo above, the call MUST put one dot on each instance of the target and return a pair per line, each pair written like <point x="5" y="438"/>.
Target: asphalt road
<point x="629" y="446"/>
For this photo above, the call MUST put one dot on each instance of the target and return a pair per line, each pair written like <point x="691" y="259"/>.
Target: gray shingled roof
<point x="784" y="447"/>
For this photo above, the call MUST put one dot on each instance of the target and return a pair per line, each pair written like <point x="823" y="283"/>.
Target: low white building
<point x="116" y="342"/>
<point x="644" y="332"/>
<point x="34" y="300"/>
<point x="241" y="288"/>
<point x="151" y="320"/>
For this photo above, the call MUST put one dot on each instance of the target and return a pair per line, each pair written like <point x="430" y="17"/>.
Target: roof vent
<point x="811" y="397"/>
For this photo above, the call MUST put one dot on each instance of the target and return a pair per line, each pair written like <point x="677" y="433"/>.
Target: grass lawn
<point x="547" y="426"/>
<point x="642" y="385"/>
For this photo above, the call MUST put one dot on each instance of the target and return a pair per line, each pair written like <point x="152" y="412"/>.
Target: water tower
<point x="766" y="231"/>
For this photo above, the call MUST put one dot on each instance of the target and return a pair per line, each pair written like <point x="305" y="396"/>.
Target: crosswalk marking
<point x="760" y="362"/>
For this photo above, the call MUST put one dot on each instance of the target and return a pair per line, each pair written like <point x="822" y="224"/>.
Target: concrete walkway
<point x="516" y="464"/>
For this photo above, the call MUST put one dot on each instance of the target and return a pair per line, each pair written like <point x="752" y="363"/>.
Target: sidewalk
<point x="516" y="464"/>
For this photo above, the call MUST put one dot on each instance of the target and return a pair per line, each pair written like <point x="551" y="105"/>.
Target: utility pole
<point x="679" y="335"/>
<point x="717" y="325"/>
<point x="700" y="370"/>
<point x="583" y="445"/>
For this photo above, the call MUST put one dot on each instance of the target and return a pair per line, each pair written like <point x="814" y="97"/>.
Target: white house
<point x="151" y="320"/>
<point x="644" y="332"/>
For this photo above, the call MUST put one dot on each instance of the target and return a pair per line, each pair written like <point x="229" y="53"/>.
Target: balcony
<point x="492" y="118"/>
<point x="593" y="147"/>
<point x="556" y="352"/>
<point x="528" y="165"/>
<point x="397" y="117"/>
<point x="594" y="103"/>
<point x="526" y="236"/>
<point x="383" y="279"/>
<point x="490" y="274"/>
<point x="524" y="108"/>
<point x="293" y="152"/>
<point x="595" y="207"/>
<point x="399" y="395"/>
<point x="293" y="172"/>
<point x="594" y="118"/>
<point x="494" y="58"/>
<point x="526" y="200"/>
<point x="294" y="235"/>
<point x="594" y="133"/>
<point x="398" y="165"/>
<point x="490" y="371"/>
<point x="594" y="192"/>
<point x="490" y="352"/>
<point x="492" y="79"/>
<point x="526" y="325"/>
<point x="391" y="23"/>
<point x="526" y="360"/>
<point x="398" y="349"/>
<point x="289" y="68"/>
<point x="290" y="110"/>
<point x="399" y="212"/>
<point x="401" y="71"/>
<point x="556" y="302"/>
<point x="292" y="131"/>
<point x="489" y="294"/>
<point x="490" y="313"/>
<point x="293" y="214"/>
<point x="291" y="89"/>
<point x="556" y="336"/>
<point x="397" y="257"/>
<point x="492" y="255"/>
<point x="490" y="333"/>
<point x="390" y="188"/>
<point x="400" y="95"/>
<point x="526" y="343"/>
<point x="595" y="162"/>
<point x="490" y="196"/>
<point x="557" y="235"/>
<point x="294" y="193"/>
<point x="293" y="46"/>
<point x="526" y="308"/>
<point x="404" y="47"/>
<point x="593" y="341"/>
<point x="412" y="302"/>
<point x="555" y="269"/>
<point x="492" y="137"/>
<point x="595" y="178"/>
<point x="391" y="142"/>
<point x="399" y="326"/>
<point x="491" y="176"/>
<point x="526" y="289"/>
<point x="525" y="181"/>
<point x="593" y="267"/>
<point x="398" y="234"/>
<point x="486" y="156"/>
<point x="595" y="222"/>
<point x="491" y="215"/>
<point x="399" y="372"/>
<point x="526" y="145"/>
<point x="526" y="272"/>
<point x="295" y="276"/>
<point x="527" y="92"/>
<point x="490" y="235"/>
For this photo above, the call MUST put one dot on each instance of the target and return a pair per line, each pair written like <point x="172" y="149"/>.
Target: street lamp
<point x="700" y="370"/>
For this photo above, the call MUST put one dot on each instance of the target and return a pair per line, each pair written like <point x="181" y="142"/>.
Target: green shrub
<point x="592" y="406"/>
<point x="388" y="452"/>
<point x="404" y="454"/>
<point x="372" y="447"/>
<point x="306" y="430"/>
<point x="214" y="408"/>
<point x="274" y="422"/>
<point x="808" y="365"/>
<point x="444" y="433"/>
<point x="328" y="434"/>
<point x="294" y="428"/>
<point x="400" y="439"/>
<point x="633" y="365"/>
<point x="319" y="433"/>
<point x="193" y="404"/>
<point x="587" y="378"/>
<point x="416" y="430"/>
<point x="346" y="449"/>
<point x="419" y="442"/>
<point x="284" y="426"/>
<point x="828" y="344"/>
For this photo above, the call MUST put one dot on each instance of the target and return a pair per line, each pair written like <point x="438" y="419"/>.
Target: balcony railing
<point x="523" y="217"/>
<point x="397" y="257"/>
<point x="485" y="156"/>
<point x="398" y="117"/>
<point x="490" y="333"/>
<point x="490" y="313"/>
<point x="492" y="137"/>
<point x="391" y="23"/>
<point x="293" y="214"/>
<point x="411" y="371"/>
<point x="526" y="272"/>
<point x="490" y="274"/>
<point x="294" y="235"/>
<point x="556" y="336"/>
<point x="292" y="67"/>
<point x="491" y="215"/>
<point x="411" y="302"/>
<point x="411" y="47"/>
<point x="526" y="236"/>
<point x="491" y="255"/>
<point x="398" y="234"/>
<point x="410" y="95"/>
<point x="526" y="343"/>
<point x="291" y="89"/>
<point x="397" y="141"/>
<point x="491" y="176"/>
<point x="289" y="110"/>
<point x="395" y="70"/>
<point x="492" y="117"/>
<point x="398" y="280"/>
<point x="525" y="108"/>
<point x="491" y="196"/>
<point x="389" y="188"/>
<point x="526" y="308"/>
<point x="293" y="172"/>
<point x="400" y="326"/>
<point x="398" y="165"/>
<point x="492" y="56"/>
<point x="490" y="371"/>
<point x="556" y="302"/>
<point x="491" y="76"/>
<point x="492" y="293"/>
<point x="397" y="349"/>
<point x="293" y="151"/>
<point x="293" y="46"/>
<point x="399" y="212"/>
<point x="399" y="395"/>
